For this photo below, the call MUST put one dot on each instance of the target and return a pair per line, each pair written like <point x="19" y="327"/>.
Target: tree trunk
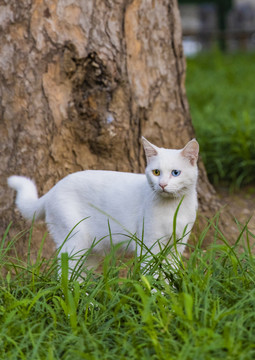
<point x="81" y="81"/>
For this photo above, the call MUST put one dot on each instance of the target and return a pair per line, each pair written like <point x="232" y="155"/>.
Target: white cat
<point x="126" y="203"/>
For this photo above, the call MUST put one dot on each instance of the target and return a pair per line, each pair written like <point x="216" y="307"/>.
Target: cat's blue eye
<point x="176" y="172"/>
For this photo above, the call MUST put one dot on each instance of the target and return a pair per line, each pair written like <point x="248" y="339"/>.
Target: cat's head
<point x="170" y="172"/>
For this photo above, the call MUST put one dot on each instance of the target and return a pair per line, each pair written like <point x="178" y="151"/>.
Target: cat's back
<point x="100" y="184"/>
<point x="105" y="178"/>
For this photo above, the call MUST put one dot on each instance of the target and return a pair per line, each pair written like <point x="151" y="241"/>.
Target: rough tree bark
<point x="81" y="81"/>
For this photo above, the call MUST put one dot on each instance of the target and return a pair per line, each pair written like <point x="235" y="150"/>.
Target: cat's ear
<point x="149" y="149"/>
<point x="190" y="151"/>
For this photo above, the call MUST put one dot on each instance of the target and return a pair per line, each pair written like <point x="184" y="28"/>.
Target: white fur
<point x="126" y="200"/>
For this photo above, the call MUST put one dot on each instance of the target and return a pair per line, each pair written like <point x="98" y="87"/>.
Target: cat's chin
<point x="168" y="195"/>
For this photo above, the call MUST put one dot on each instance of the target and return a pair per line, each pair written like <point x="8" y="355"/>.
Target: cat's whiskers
<point x="154" y="194"/>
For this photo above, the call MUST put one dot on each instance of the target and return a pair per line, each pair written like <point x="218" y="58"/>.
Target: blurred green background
<point x="221" y="94"/>
<point x="219" y="43"/>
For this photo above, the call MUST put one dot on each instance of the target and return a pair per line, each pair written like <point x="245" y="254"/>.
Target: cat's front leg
<point x="80" y="263"/>
<point x="161" y="253"/>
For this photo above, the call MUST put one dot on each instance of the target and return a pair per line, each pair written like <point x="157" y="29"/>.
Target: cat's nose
<point x="163" y="186"/>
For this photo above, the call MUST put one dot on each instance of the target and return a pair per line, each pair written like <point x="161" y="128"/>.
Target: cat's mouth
<point x="167" y="194"/>
<point x="171" y="194"/>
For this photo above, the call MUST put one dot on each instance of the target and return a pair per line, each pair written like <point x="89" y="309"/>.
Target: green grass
<point x="205" y="309"/>
<point x="221" y="94"/>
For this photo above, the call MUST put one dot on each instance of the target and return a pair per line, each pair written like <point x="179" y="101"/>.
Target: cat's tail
<point x="27" y="199"/>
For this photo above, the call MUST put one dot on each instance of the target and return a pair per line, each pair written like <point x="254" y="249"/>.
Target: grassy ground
<point x="205" y="309"/>
<point x="221" y="90"/>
